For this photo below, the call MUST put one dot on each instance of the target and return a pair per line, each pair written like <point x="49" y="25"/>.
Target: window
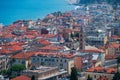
<point x="19" y="61"/>
<point x="81" y="39"/>
<point x="33" y="58"/>
<point x="23" y="62"/>
<point x="37" y="58"/>
<point x="49" y="59"/>
<point x="53" y="60"/>
<point x="46" y="59"/>
<point x="61" y="64"/>
<point x="65" y="61"/>
<point x="94" y="76"/>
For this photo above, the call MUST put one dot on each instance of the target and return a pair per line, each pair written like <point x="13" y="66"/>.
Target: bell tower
<point x="82" y="38"/>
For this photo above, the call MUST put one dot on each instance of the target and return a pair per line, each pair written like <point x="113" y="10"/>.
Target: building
<point x="99" y="72"/>
<point x="22" y="58"/>
<point x="81" y="39"/>
<point x="116" y="29"/>
<point x="52" y="48"/>
<point x="2" y="78"/>
<point x="113" y="48"/>
<point x="90" y="57"/>
<point x="83" y="61"/>
<point x="96" y="38"/>
<point x="62" y="60"/>
<point x="3" y="62"/>
<point x="45" y="73"/>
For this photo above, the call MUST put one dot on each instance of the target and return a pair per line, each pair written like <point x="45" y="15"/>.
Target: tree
<point x="116" y="76"/>
<point x="89" y="78"/>
<point x="33" y="77"/>
<point x="17" y="67"/>
<point x="73" y="74"/>
<point x="77" y="34"/>
<point x="42" y="63"/>
<point x="71" y="35"/>
<point x="118" y="63"/>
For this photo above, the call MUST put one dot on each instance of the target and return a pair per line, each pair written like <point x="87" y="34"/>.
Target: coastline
<point x="34" y="12"/>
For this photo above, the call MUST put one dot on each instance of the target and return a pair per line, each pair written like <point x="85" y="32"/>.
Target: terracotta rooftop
<point x="47" y="35"/>
<point x="114" y="45"/>
<point x="22" y="77"/>
<point x="9" y="49"/>
<point x="115" y="37"/>
<point x="93" y="51"/>
<point x="23" y="55"/>
<point x="67" y="14"/>
<point x="44" y="42"/>
<point x="110" y="56"/>
<point x="96" y="69"/>
<point x="102" y="70"/>
<point x="31" y="32"/>
<point x="66" y="55"/>
<point x="29" y="36"/>
<point x="15" y="43"/>
<point x="52" y="47"/>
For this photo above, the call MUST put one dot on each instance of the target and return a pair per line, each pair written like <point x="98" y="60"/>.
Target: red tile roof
<point x="66" y="55"/>
<point x="114" y="45"/>
<point x="67" y="14"/>
<point x="111" y="70"/>
<point x="47" y="35"/>
<point x="110" y="56"/>
<point x="29" y="36"/>
<point x="9" y="49"/>
<point x="102" y="69"/>
<point x="15" y="43"/>
<point x="115" y="37"/>
<point x="52" y="47"/>
<point x="96" y="69"/>
<point x="44" y="42"/>
<point x="31" y="32"/>
<point x="22" y="77"/>
<point x="76" y="25"/>
<point x="26" y="55"/>
<point x="94" y="51"/>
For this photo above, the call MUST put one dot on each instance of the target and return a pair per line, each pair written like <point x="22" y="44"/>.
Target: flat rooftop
<point x="41" y="69"/>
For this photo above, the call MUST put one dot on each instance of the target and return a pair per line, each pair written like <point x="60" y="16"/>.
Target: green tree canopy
<point x="17" y="67"/>
<point x="116" y="76"/>
<point x="73" y="74"/>
<point x="118" y="62"/>
<point x="89" y="78"/>
<point x="33" y="77"/>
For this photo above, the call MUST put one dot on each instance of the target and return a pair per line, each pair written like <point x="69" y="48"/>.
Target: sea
<point x="12" y="10"/>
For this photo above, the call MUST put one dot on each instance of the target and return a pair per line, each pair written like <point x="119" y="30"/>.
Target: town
<point x="85" y="40"/>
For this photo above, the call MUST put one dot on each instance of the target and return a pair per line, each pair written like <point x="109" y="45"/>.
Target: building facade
<point x="63" y="61"/>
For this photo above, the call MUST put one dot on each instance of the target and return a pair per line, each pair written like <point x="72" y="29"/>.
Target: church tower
<point x="82" y="38"/>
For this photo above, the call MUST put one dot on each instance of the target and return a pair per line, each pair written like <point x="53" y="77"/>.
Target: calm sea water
<point x="11" y="10"/>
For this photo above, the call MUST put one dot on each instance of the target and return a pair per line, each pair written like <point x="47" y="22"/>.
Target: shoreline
<point x="37" y="9"/>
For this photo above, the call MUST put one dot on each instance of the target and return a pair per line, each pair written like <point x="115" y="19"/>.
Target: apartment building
<point x="62" y="60"/>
